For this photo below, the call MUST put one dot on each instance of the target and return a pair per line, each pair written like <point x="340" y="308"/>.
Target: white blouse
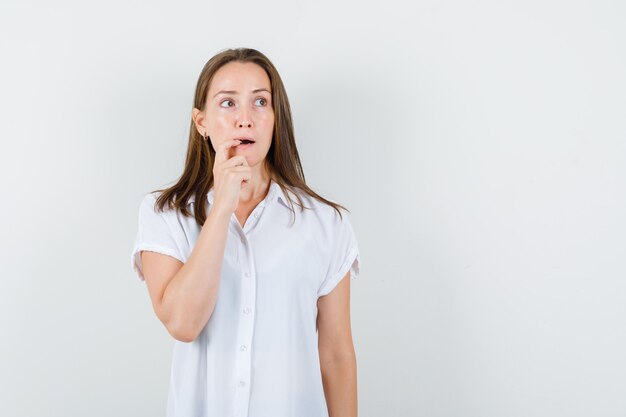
<point x="258" y="355"/>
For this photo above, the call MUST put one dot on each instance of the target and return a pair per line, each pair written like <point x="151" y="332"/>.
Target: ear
<point x="198" y="119"/>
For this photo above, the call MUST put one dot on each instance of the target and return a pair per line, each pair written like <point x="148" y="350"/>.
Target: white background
<point x="480" y="147"/>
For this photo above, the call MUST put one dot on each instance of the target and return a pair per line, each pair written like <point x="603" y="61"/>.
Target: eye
<point x="261" y="98"/>
<point x="226" y="101"/>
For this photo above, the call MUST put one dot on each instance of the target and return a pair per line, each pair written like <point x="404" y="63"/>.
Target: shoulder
<point x="149" y="207"/>
<point x="149" y="202"/>
<point x="322" y="212"/>
<point x="166" y="221"/>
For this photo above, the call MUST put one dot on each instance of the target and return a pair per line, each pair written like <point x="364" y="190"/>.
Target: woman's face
<point x="239" y="104"/>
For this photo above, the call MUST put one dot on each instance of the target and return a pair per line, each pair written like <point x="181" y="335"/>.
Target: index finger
<point x="221" y="154"/>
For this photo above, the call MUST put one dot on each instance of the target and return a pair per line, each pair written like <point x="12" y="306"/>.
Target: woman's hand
<point x="229" y="176"/>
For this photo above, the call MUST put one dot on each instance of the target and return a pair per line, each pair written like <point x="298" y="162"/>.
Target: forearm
<point x="340" y="387"/>
<point x="191" y="296"/>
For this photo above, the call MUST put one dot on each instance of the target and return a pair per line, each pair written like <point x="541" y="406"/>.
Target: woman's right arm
<point x="184" y="295"/>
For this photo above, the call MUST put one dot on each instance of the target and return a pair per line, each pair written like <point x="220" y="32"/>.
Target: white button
<point x="246" y="310"/>
<point x="242" y="383"/>
<point x="243" y="347"/>
<point x="247" y="274"/>
<point x="256" y="214"/>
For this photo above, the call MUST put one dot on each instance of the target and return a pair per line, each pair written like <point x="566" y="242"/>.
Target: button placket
<point x="246" y="328"/>
<point x="256" y="213"/>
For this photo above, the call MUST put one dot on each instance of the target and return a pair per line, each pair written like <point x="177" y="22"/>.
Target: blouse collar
<point x="275" y="193"/>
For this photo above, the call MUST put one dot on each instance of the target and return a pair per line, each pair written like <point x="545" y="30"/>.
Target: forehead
<point x="240" y="76"/>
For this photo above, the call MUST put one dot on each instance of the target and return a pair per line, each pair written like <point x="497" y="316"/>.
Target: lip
<point x="246" y="137"/>
<point x="245" y="146"/>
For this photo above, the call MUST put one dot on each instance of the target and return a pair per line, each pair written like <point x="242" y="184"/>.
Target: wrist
<point x="220" y="212"/>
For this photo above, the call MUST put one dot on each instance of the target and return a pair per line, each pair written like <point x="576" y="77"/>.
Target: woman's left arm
<point x="337" y="357"/>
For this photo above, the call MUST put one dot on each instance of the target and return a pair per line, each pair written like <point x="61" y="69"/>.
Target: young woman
<point x="256" y="293"/>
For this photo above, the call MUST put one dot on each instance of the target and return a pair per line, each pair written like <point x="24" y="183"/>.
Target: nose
<point x="243" y="119"/>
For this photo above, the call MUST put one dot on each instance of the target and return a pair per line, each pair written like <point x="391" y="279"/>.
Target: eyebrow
<point x="235" y="92"/>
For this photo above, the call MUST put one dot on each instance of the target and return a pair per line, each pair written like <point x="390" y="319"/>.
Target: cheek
<point x="268" y="120"/>
<point x="221" y="121"/>
<point x="219" y="125"/>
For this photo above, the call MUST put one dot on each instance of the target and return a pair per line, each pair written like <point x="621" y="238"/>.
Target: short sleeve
<point x="344" y="255"/>
<point x="153" y="234"/>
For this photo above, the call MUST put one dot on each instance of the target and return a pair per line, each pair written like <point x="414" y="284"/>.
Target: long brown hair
<point x="282" y="161"/>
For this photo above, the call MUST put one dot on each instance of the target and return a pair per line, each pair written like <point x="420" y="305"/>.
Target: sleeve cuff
<point x="135" y="259"/>
<point x="352" y="264"/>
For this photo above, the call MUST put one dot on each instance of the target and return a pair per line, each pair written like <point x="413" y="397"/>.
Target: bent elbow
<point x="184" y="338"/>
<point x="185" y="327"/>
<point x="183" y="333"/>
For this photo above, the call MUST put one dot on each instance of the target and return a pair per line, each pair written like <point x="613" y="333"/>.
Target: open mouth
<point x="246" y="141"/>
